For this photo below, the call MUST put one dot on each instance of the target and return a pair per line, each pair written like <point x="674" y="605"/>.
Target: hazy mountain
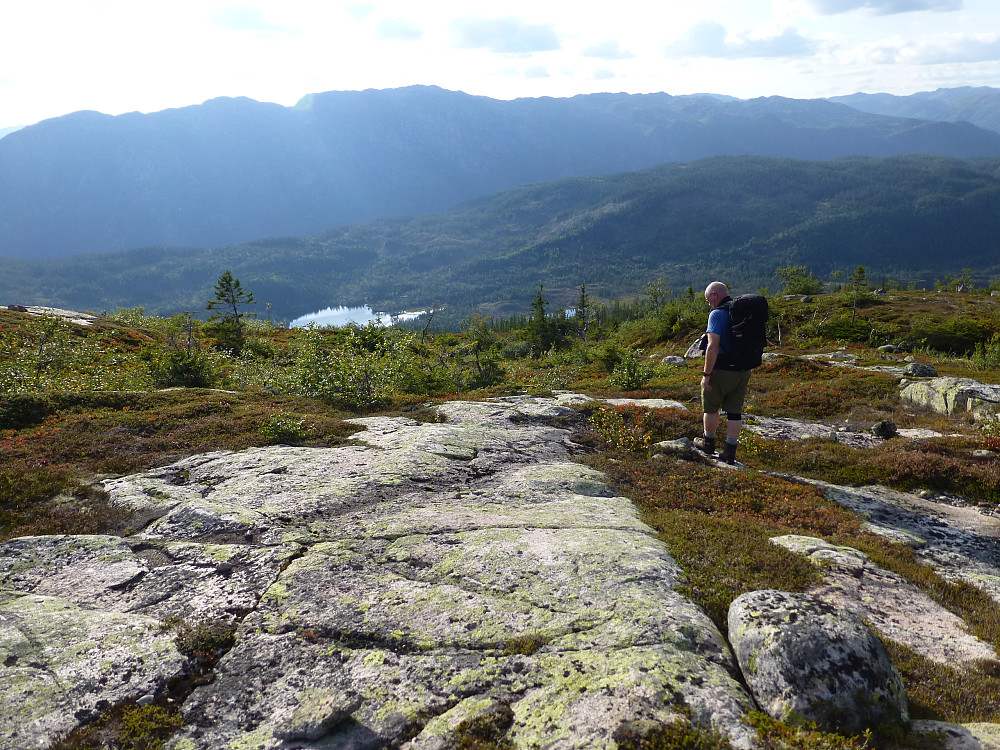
<point x="912" y="218"/>
<point x="232" y="170"/>
<point x="977" y="105"/>
<point x="8" y="131"/>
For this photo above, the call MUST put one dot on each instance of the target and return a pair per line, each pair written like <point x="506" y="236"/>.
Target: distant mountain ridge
<point x="979" y="105"/>
<point x="233" y="170"/>
<point x="911" y="218"/>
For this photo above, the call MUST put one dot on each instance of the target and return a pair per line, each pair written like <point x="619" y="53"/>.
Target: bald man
<point x="721" y="389"/>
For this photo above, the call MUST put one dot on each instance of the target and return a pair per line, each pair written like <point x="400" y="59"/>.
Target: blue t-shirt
<point x="718" y="322"/>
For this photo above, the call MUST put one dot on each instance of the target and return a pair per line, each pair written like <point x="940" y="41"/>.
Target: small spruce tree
<point x="540" y="331"/>
<point x="584" y="313"/>
<point x="230" y="298"/>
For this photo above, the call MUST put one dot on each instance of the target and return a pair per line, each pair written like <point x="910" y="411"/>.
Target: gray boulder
<point x="949" y="395"/>
<point x="885" y="429"/>
<point x="920" y="370"/>
<point x="808" y="661"/>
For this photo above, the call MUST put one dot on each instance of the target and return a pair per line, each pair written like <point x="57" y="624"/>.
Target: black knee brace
<point x="734" y="417"/>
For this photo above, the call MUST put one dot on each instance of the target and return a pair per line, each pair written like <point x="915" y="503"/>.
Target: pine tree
<point x="540" y="331"/>
<point x="230" y="297"/>
<point x="583" y="313"/>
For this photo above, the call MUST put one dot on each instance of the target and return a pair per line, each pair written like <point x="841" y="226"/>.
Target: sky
<point x="116" y="56"/>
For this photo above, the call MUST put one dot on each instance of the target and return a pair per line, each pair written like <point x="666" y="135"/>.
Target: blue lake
<point x="341" y="316"/>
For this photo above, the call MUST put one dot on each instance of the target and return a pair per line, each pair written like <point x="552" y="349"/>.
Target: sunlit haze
<point x="115" y="56"/>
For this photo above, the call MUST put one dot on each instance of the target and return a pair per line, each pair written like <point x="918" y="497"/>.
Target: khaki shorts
<point x="729" y="390"/>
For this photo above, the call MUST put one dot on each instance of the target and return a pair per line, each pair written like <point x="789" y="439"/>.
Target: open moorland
<point x="106" y="396"/>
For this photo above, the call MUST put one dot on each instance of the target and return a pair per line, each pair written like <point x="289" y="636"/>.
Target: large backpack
<point x="748" y="316"/>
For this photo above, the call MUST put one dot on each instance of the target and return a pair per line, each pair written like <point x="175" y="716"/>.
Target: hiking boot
<point x="729" y="453"/>
<point x="705" y="444"/>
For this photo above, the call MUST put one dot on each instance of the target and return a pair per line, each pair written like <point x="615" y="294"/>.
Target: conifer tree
<point x="583" y="312"/>
<point x="230" y="298"/>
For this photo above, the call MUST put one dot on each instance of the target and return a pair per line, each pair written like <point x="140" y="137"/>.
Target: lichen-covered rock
<point x="183" y="580"/>
<point x="920" y="370"/>
<point x="959" y="736"/>
<point x="647" y="403"/>
<point x="474" y="720"/>
<point x="960" y="543"/>
<point x="61" y="665"/>
<point x="954" y="395"/>
<point x="893" y="606"/>
<point x="443" y="566"/>
<point x="808" y="661"/>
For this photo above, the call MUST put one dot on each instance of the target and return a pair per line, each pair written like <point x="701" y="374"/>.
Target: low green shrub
<point x="180" y="368"/>
<point x="630" y="373"/>
<point x="516" y="349"/>
<point x="987" y="354"/>
<point x="282" y="427"/>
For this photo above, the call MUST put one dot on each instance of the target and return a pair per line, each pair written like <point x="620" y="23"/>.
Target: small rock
<point x="888" y="348"/>
<point x="919" y="370"/>
<point x="146" y="700"/>
<point x="681" y="446"/>
<point x="475" y="722"/>
<point x="885" y="429"/>
<point x="317" y="714"/>
<point x="807" y="661"/>
<point x="806" y="298"/>
<point x="17" y="308"/>
<point x="673" y="360"/>
<point x="647" y="403"/>
<point x="982" y="454"/>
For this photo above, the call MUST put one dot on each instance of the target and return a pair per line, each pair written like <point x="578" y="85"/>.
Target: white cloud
<point x="610" y="50"/>
<point x="537" y="71"/>
<point x="402" y="30"/>
<point x="883" y="7"/>
<point x="359" y="11"/>
<point x="504" y="35"/>
<point x="602" y="74"/>
<point x="709" y="39"/>
<point x="957" y="48"/>
<point x="244" y="18"/>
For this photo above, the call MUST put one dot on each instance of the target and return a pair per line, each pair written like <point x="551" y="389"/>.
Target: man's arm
<point x="711" y="353"/>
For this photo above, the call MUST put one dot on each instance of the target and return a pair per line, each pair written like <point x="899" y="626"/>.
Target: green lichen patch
<point x="64" y="662"/>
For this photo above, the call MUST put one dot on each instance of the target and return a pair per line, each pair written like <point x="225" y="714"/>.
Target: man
<point x="721" y="388"/>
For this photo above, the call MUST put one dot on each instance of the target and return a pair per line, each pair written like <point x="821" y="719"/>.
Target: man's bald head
<point x="715" y="293"/>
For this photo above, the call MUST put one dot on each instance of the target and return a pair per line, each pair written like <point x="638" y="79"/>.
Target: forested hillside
<point x="232" y="170"/>
<point x="912" y="219"/>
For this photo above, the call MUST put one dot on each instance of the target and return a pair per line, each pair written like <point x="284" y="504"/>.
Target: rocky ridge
<point x="429" y="578"/>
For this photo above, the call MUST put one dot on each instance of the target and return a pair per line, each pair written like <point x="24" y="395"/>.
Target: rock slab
<point x="430" y="579"/>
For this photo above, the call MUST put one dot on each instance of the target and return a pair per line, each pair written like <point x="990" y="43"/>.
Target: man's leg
<point x="733" y="427"/>
<point x="706" y="444"/>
